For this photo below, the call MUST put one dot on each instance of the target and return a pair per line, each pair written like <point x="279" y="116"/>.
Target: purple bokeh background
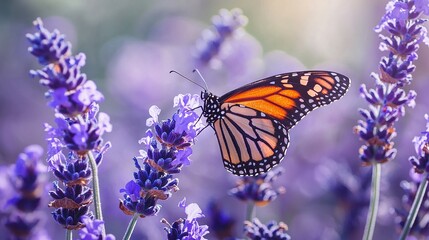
<point x="130" y="50"/>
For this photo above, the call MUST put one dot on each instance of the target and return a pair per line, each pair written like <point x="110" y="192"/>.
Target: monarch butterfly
<point x="252" y="122"/>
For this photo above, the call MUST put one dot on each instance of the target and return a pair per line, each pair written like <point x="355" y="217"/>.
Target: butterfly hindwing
<point x="250" y="141"/>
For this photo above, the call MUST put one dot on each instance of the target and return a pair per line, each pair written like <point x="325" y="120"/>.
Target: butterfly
<point x="252" y="122"/>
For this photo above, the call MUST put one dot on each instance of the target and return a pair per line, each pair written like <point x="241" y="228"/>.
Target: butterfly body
<point x="252" y="122"/>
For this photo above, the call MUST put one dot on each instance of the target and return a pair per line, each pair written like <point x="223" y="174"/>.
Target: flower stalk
<point x="131" y="226"/>
<point x="374" y="202"/>
<point x="95" y="186"/>
<point x="415" y="208"/>
<point x="69" y="234"/>
<point x="250" y="211"/>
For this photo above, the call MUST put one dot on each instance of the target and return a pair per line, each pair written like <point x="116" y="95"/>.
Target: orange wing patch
<point x="290" y="93"/>
<point x="254" y="93"/>
<point x="266" y="107"/>
<point x="271" y="100"/>
<point x="326" y="83"/>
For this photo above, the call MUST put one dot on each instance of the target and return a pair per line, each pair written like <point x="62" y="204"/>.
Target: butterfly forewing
<point x="289" y="97"/>
<point x="252" y="122"/>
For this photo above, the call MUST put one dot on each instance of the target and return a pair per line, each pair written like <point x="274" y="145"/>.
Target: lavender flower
<point x="225" y="25"/>
<point x="401" y="32"/>
<point x="255" y="230"/>
<point x="416" y="199"/>
<point x="27" y="178"/>
<point x="420" y="228"/>
<point x="93" y="230"/>
<point x="421" y="144"/>
<point x="258" y="189"/>
<point x="137" y="202"/>
<point x="83" y="136"/>
<point x="70" y="92"/>
<point x="167" y="150"/>
<point x="347" y="189"/>
<point x="189" y="228"/>
<point x="388" y="99"/>
<point x="72" y="197"/>
<point x="80" y="126"/>
<point x="221" y="222"/>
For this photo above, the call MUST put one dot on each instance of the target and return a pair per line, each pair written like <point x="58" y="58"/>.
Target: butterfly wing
<point x="253" y="130"/>
<point x="251" y="142"/>
<point x="289" y="97"/>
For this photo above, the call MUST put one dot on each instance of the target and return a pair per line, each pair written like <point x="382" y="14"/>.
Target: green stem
<point x="373" y="206"/>
<point x="415" y="208"/>
<point x="131" y="226"/>
<point x="95" y="188"/>
<point x="69" y="234"/>
<point x="250" y="211"/>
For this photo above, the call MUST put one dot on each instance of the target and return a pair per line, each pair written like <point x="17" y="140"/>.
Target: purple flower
<point x="80" y="126"/>
<point x="93" y="230"/>
<point x="347" y="189"/>
<point x="22" y="227"/>
<point x="255" y="230"/>
<point x="73" y="171"/>
<point x="165" y="159"/>
<point x="71" y="197"/>
<point x="189" y="228"/>
<point x="153" y="181"/>
<point x="166" y="150"/>
<point x="136" y="202"/>
<point x="225" y="25"/>
<point x="182" y="157"/>
<point x="421" y="144"/>
<point x="70" y="218"/>
<point x="79" y="135"/>
<point x="175" y="135"/>
<point x="420" y="228"/>
<point x="70" y="92"/>
<point x="71" y="203"/>
<point x="28" y="180"/>
<point x="221" y="222"/>
<point x="401" y="32"/>
<point x="186" y="118"/>
<point x="258" y="189"/>
<point x="47" y="46"/>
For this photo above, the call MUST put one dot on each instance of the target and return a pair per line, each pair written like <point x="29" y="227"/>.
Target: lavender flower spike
<point x="166" y="149"/>
<point x="69" y="90"/>
<point x="225" y="25"/>
<point x="401" y="32"/>
<point x="93" y="230"/>
<point x="413" y="217"/>
<point x="421" y="144"/>
<point x="420" y="228"/>
<point x="189" y="228"/>
<point x="27" y="177"/>
<point x="79" y="127"/>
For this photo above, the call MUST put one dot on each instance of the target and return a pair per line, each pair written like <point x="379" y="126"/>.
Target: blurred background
<point x="132" y="45"/>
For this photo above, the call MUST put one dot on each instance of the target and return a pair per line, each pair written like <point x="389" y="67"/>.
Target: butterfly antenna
<point x="201" y="76"/>
<point x="173" y="71"/>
